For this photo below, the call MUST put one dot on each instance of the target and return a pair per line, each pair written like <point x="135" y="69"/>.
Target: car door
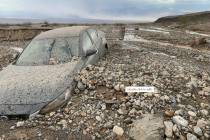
<point x="87" y="43"/>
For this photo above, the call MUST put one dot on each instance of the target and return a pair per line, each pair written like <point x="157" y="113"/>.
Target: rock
<point x="132" y="112"/>
<point x="103" y="107"/>
<point x="147" y="128"/>
<point x="207" y="135"/>
<point x="122" y="87"/>
<point x="51" y="114"/>
<point x="148" y="94"/>
<point x="191" y="137"/>
<point x="188" y="94"/>
<point x="179" y="112"/>
<point x="198" y="41"/>
<point x="192" y="114"/>
<point x="39" y="134"/>
<point x="117" y="87"/>
<point x="12" y="127"/>
<point x="165" y="98"/>
<point x="63" y="123"/>
<point x="168" y="128"/>
<point x="192" y="83"/>
<point x="175" y="129"/>
<point x="109" y="125"/>
<point x="180" y="121"/>
<point x="169" y="113"/>
<point x="122" y="111"/>
<point x="81" y="86"/>
<point x="83" y="114"/>
<point x="128" y="120"/>
<point x="197" y="130"/>
<point x="199" y="58"/>
<point x="204" y="112"/>
<point x="20" y="124"/>
<point x="165" y="73"/>
<point x="201" y="123"/>
<point x="206" y="89"/>
<point x="76" y="90"/>
<point x="118" y="130"/>
<point x="98" y="118"/>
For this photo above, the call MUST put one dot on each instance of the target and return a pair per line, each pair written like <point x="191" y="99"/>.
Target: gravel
<point x="100" y="108"/>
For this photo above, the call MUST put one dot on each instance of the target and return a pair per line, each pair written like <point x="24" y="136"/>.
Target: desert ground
<point x="170" y="58"/>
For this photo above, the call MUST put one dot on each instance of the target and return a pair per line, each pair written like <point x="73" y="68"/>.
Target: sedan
<point x="42" y="78"/>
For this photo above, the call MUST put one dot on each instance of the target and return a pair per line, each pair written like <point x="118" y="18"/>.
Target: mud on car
<point x="42" y="77"/>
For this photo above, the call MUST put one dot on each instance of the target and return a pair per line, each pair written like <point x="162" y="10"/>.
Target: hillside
<point x="200" y="17"/>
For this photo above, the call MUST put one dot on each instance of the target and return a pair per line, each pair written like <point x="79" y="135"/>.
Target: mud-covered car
<point x="42" y="78"/>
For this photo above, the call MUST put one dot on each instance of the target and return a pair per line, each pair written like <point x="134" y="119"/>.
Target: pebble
<point x="118" y="130"/>
<point x="122" y="87"/>
<point x="117" y="87"/>
<point x="81" y="86"/>
<point x="180" y="121"/>
<point x="204" y="112"/>
<point x="20" y="124"/>
<point x="179" y="112"/>
<point x="98" y="118"/>
<point x="169" y="113"/>
<point x="168" y="128"/>
<point x="197" y="130"/>
<point x="191" y="137"/>
<point x="12" y="127"/>
<point x="201" y="123"/>
<point x="192" y="114"/>
<point x="63" y="123"/>
<point x="122" y="111"/>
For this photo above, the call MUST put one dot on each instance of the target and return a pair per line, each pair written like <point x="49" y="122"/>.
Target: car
<point x="42" y="78"/>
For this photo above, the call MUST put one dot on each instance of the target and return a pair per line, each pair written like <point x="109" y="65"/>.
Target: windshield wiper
<point x="50" y="49"/>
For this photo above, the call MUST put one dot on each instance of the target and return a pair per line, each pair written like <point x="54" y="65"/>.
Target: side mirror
<point x="90" y="52"/>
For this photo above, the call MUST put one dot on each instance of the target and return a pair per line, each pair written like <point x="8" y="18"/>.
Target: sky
<point x="141" y="10"/>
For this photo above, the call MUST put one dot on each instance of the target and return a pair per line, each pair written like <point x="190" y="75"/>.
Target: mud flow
<point x="175" y="61"/>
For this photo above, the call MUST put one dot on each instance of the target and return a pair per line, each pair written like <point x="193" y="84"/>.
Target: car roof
<point x="62" y="32"/>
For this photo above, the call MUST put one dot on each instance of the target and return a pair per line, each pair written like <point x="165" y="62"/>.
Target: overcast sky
<point x="100" y="9"/>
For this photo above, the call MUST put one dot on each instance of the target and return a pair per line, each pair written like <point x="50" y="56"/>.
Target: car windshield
<point x="49" y="51"/>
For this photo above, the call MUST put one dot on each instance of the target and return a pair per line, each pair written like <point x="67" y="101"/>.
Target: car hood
<point x="35" y="84"/>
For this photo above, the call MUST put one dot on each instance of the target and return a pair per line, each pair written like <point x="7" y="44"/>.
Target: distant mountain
<point x="19" y="21"/>
<point x="76" y="20"/>
<point x="199" y="17"/>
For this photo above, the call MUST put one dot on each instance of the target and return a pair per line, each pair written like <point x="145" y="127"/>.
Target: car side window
<point x="86" y="43"/>
<point x="60" y="51"/>
<point x="73" y="43"/>
<point x="93" y="34"/>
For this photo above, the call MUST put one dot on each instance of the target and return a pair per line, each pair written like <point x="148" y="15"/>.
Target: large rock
<point x="197" y="130"/>
<point x="118" y="130"/>
<point x="20" y="123"/>
<point x="191" y="137"/>
<point x="180" y="121"/>
<point x="168" y="128"/>
<point x="147" y="128"/>
<point x="201" y="123"/>
<point x="81" y="86"/>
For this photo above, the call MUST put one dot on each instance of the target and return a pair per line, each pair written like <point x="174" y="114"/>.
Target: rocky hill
<point x="200" y="17"/>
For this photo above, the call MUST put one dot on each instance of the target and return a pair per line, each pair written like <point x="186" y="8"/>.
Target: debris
<point x="118" y="130"/>
<point x="180" y="121"/>
<point x="168" y="128"/>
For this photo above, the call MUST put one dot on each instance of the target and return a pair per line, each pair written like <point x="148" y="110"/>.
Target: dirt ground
<point x="155" y="47"/>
